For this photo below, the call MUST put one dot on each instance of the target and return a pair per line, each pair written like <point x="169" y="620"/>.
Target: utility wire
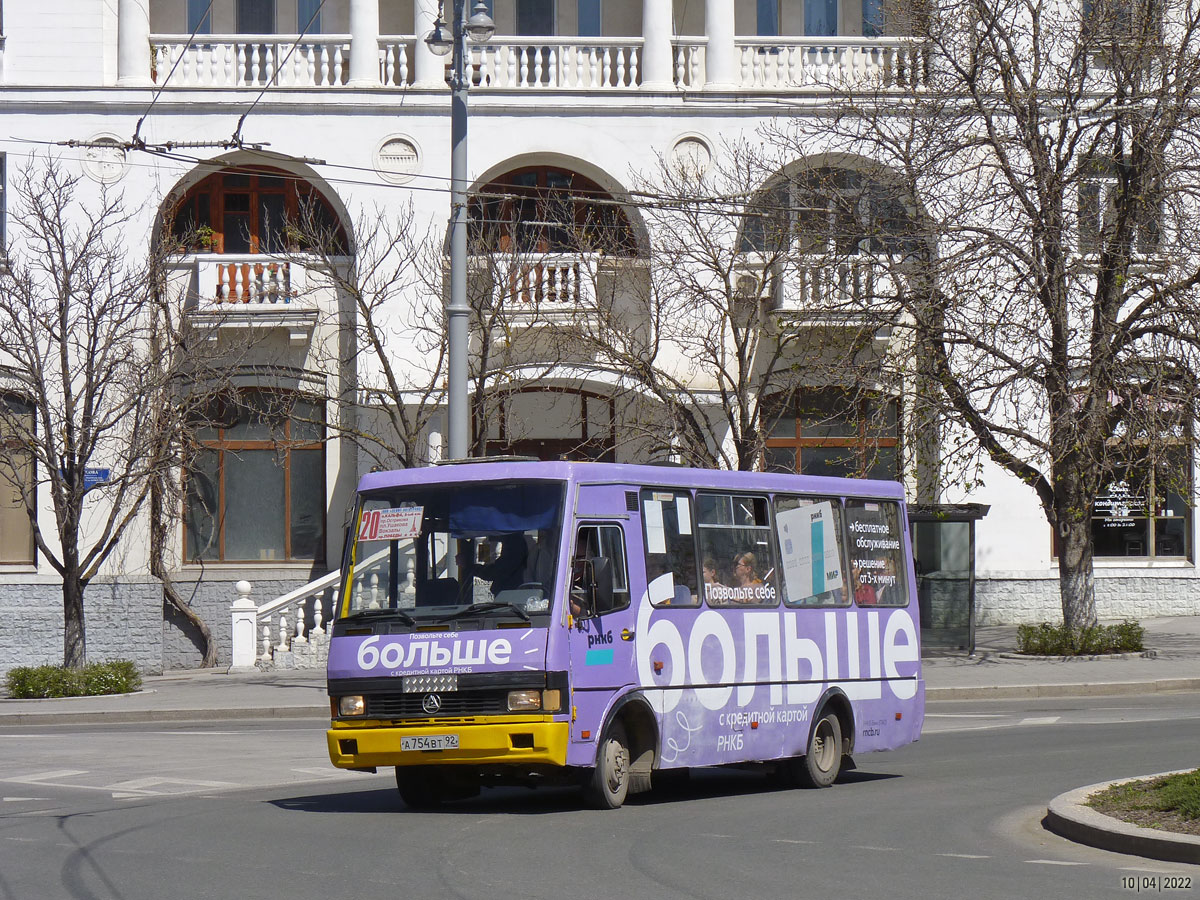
<point x="136" y="141"/>
<point x="236" y="140"/>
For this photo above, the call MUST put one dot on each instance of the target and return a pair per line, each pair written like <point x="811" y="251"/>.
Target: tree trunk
<point x="74" y="641"/>
<point x="1075" y="569"/>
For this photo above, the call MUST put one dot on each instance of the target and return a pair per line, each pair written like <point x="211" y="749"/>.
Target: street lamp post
<point x="478" y="28"/>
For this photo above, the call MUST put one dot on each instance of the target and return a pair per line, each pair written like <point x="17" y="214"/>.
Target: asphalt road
<point x="236" y="810"/>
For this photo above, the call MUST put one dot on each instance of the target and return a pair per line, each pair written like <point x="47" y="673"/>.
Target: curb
<point x="1068" y="817"/>
<point x="1091" y="689"/>
<point x="138" y="716"/>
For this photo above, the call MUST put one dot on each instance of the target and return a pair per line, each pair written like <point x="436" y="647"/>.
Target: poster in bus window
<point x="808" y="541"/>
<point x="391" y="524"/>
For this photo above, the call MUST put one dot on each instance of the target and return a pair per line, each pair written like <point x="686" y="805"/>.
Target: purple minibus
<point x="525" y="622"/>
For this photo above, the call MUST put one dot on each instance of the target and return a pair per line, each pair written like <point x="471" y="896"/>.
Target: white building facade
<point x="352" y="119"/>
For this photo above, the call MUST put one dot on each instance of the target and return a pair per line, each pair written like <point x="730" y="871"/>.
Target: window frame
<point x="205" y="205"/>
<point x="692" y="585"/>
<point x="1099" y="190"/>
<point x="767" y="569"/>
<point x="840" y="535"/>
<point x="226" y="448"/>
<point x="864" y="445"/>
<point x="10" y="399"/>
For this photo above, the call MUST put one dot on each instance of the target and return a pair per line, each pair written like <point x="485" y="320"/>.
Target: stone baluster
<point x="244" y="614"/>
<point x="402" y="64"/>
<point x="339" y="60"/>
<point x="284" y="634"/>
<point x="266" y="643"/>
<point x="318" y="629"/>
<point x="299" y="637"/>
<point x="606" y="67"/>
<point x="374" y="590"/>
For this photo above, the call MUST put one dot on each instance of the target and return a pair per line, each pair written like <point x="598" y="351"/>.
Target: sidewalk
<point x="992" y="673"/>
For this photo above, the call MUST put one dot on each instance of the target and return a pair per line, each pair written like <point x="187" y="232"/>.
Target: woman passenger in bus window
<point x="711" y="576"/>
<point x="745" y="570"/>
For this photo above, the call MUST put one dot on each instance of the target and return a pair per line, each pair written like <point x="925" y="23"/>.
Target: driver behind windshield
<point x="506" y="572"/>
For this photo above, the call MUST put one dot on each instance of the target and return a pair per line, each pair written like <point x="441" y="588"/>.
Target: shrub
<point x="30" y="682"/>
<point x="1059" y="640"/>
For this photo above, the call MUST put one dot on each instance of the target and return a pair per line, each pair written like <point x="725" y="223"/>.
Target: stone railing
<point x="557" y="64"/>
<point x="289" y="632"/>
<point x="247" y="281"/>
<point x="250" y="61"/>
<point x="766" y="65"/>
<point x="772" y="64"/>
<point x="842" y="290"/>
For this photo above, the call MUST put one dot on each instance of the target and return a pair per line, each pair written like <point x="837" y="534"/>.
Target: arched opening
<point x="547" y="209"/>
<point x="552" y="423"/>
<point x="256" y="210"/>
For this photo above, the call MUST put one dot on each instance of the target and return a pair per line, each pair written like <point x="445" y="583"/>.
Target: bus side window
<point x="599" y="567"/>
<point x="671" y="575"/>
<point x="737" y="551"/>
<point x="877" y="573"/>
<point x="806" y="527"/>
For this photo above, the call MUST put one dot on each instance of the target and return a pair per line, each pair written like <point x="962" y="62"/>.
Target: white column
<point x="364" y="43"/>
<point x="429" y="69"/>
<point x="658" y="63"/>
<point x="245" y="638"/>
<point x="721" y="65"/>
<point x="133" y="43"/>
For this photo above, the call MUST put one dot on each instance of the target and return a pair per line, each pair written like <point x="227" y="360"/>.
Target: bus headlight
<point x="352" y="705"/>
<point x="524" y="700"/>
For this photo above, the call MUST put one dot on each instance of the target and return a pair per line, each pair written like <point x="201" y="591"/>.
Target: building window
<point x="1099" y="195"/>
<point x="552" y="424"/>
<point x="1123" y="22"/>
<point x="256" y="485"/>
<point x="820" y="18"/>
<point x="1144" y="507"/>
<point x="17" y="484"/>
<point x="255" y="16"/>
<point x="535" y="17"/>
<point x="590" y="18"/>
<point x="199" y="17"/>
<point x="829" y="210"/>
<point x="3" y="205"/>
<point x="308" y="16"/>
<point x="836" y="433"/>
<point x="768" y="18"/>
<point x="254" y="211"/>
<point x="545" y="210"/>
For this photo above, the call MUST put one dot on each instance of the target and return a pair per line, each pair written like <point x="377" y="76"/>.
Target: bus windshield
<point x="450" y="552"/>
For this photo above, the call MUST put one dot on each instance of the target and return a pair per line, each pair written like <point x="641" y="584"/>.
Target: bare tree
<point x="1048" y="306"/>
<point x="82" y="342"/>
<point x="705" y="344"/>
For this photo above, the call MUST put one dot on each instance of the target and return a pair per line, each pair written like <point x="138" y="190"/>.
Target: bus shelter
<point x="943" y="540"/>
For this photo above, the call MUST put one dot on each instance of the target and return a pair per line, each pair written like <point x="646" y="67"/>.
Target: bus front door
<point x="603" y="619"/>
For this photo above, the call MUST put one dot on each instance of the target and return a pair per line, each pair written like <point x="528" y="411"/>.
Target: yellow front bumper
<point x="482" y="741"/>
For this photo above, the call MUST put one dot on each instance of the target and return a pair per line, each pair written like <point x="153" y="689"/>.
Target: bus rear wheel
<point x="819" y="767"/>
<point x="608" y="785"/>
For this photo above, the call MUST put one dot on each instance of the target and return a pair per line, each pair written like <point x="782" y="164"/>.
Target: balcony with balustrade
<point x="701" y="51"/>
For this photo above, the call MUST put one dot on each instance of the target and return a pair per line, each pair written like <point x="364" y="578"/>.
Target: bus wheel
<point x="609" y="782"/>
<point x="820" y="766"/>
<point x="420" y="786"/>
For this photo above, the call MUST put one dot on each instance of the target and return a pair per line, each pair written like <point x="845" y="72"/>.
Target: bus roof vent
<point x="484" y="459"/>
<point x="631" y="501"/>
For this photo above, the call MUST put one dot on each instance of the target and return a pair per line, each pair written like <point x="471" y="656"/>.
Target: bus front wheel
<point x="419" y="786"/>
<point x="609" y="782"/>
<point x="819" y="767"/>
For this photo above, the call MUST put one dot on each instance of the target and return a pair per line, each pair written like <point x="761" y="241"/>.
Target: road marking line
<point x="1054" y="862"/>
<point x="144" y="784"/>
<point x="879" y="849"/>
<point x="963" y="716"/>
<point x="42" y="777"/>
<point x="21" y="799"/>
<point x="1040" y="720"/>
<point x="964" y="855"/>
<point x="789" y="841"/>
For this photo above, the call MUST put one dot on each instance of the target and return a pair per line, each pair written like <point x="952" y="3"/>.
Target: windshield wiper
<point x="489" y="606"/>
<point x="380" y="614"/>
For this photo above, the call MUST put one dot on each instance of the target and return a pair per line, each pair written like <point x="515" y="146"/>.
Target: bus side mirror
<point x="602" y="584"/>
